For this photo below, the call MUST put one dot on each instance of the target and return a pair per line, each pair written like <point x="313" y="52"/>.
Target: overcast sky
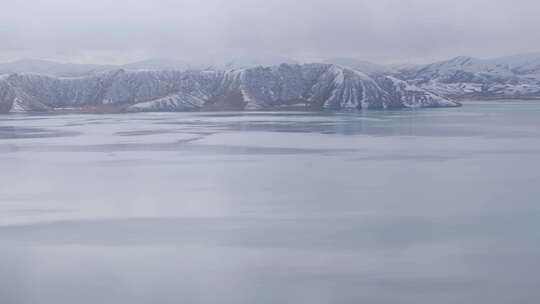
<point x="386" y="31"/>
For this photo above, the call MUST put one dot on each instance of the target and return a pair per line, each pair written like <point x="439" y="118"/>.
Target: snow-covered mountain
<point x="466" y="77"/>
<point x="360" y="65"/>
<point x="260" y="83"/>
<point x="207" y="63"/>
<point x="512" y="77"/>
<point x="46" y="67"/>
<point x="60" y="69"/>
<point x="308" y="86"/>
<point x="526" y="64"/>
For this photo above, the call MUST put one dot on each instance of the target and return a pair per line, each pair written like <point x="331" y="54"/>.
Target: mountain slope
<point x="361" y="65"/>
<point x="467" y="77"/>
<point x="52" y="68"/>
<point x="309" y="86"/>
<point x="524" y="64"/>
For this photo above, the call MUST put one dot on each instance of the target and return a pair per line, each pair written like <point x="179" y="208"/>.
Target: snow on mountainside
<point x="360" y="65"/>
<point x="467" y="77"/>
<point x="309" y="86"/>
<point x="52" y="68"/>
<point x="164" y="64"/>
<point x="525" y="64"/>
<point x="207" y="63"/>
<point x="247" y="82"/>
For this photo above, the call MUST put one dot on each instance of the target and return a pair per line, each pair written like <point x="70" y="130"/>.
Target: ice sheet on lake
<point x="432" y="206"/>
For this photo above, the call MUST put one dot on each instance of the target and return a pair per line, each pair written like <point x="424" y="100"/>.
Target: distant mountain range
<point x="461" y="78"/>
<point x="263" y="83"/>
<point x="514" y="77"/>
<point x="52" y="68"/>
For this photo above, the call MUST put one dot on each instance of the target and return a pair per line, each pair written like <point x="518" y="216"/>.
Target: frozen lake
<point x="428" y="206"/>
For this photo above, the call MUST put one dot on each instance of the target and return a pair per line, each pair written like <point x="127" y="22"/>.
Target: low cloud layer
<point x="104" y="31"/>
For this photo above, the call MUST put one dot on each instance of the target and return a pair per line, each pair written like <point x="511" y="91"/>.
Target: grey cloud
<point x="385" y="30"/>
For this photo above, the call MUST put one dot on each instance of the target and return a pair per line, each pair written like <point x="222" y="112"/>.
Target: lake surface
<point x="428" y="206"/>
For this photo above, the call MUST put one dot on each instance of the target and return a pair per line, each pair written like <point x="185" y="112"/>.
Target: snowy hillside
<point x="309" y="86"/>
<point x="467" y="77"/>
<point x="360" y="65"/>
<point x="52" y="68"/>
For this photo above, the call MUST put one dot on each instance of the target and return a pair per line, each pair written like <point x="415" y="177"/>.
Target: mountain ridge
<point x="463" y="77"/>
<point x="308" y="86"/>
<point x="340" y="83"/>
